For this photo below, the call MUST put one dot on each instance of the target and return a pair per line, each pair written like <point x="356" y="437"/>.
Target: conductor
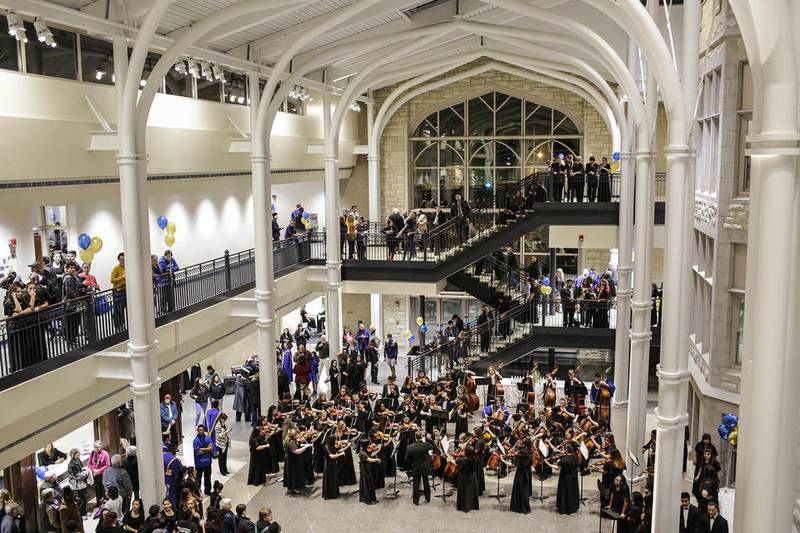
<point x="418" y="460"/>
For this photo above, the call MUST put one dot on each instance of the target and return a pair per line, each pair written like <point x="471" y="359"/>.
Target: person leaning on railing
<point x="26" y="337"/>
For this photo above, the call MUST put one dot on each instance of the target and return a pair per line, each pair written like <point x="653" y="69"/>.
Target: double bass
<point x="473" y="402"/>
<point x="549" y="393"/>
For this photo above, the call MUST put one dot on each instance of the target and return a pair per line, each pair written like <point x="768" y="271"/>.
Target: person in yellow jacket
<point x="118" y="286"/>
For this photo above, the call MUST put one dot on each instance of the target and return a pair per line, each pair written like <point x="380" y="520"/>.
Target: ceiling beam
<point x="274" y="44"/>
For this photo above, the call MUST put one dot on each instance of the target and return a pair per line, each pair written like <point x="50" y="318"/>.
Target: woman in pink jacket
<point x="99" y="460"/>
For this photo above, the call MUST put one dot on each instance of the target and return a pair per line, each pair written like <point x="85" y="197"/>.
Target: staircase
<point x="490" y="280"/>
<point x="445" y="250"/>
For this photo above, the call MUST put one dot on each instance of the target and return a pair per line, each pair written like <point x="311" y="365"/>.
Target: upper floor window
<point x="97" y="60"/>
<point x="744" y="113"/>
<point x="9" y="54"/>
<point x="58" y="59"/>
<point x="482" y="146"/>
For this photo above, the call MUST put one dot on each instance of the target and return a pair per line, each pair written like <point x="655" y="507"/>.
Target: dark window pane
<point x="481" y="118"/>
<point x="509" y="115"/>
<point x="97" y="60"/>
<point x="451" y="153"/>
<point x="538" y="119"/>
<point x="563" y="125"/>
<point x="507" y="179"/>
<point x="507" y="153"/>
<point x="8" y="48"/>
<point x="209" y="90"/>
<point x="294" y="106"/>
<point x="235" y="88"/>
<point x="178" y="84"/>
<point x="59" y="61"/>
<point x="451" y="121"/>
<point x="425" y="154"/>
<point x="423" y="195"/>
<point x="149" y="64"/>
<point x="451" y="182"/>
<point x="567" y="147"/>
<point x="428" y="127"/>
<point x="481" y="186"/>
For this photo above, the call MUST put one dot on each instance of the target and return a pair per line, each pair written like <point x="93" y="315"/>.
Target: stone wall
<point x="395" y="166"/>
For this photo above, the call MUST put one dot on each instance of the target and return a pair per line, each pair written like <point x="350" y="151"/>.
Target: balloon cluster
<point x="89" y="246"/>
<point x="306" y="219"/>
<point x="169" y="228"/>
<point x="729" y="428"/>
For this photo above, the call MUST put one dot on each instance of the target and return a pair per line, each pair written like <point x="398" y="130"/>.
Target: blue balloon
<point x="723" y="431"/>
<point x="615" y="156"/>
<point x="40" y="472"/>
<point x="424" y="328"/>
<point x="162" y="222"/>
<point x="306" y="216"/>
<point x="730" y="420"/>
<point x="84" y="241"/>
<point x="411" y="339"/>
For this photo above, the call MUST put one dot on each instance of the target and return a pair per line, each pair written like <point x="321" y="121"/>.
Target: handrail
<point x="99" y="318"/>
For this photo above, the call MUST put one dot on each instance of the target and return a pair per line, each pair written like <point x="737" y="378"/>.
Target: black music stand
<point x="541" y="497"/>
<point x="443" y="495"/>
<point x="583" y="500"/>
<point x="498" y="494"/>
<point x="393" y="493"/>
<point x="635" y="461"/>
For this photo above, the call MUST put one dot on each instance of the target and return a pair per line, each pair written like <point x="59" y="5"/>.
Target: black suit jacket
<point x="720" y="525"/>
<point x="691" y="519"/>
<point x="464" y="208"/>
<point x="418" y="459"/>
<point x="566" y="299"/>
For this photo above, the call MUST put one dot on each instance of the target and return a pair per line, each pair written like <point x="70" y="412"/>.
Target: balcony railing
<point x="30" y="344"/>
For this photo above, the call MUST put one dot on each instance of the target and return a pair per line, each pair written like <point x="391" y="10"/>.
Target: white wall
<point x="46" y="124"/>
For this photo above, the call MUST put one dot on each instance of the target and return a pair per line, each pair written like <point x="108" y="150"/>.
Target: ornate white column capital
<point x="373" y="158"/>
<point x="643" y="155"/>
<point x="782" y="144"/>
<point x="262" y="295"/>
<point x="641" y="306"/>
<point x="672" y="378"/>
<point x="637" y="336"/>
<point x="260" y="158"/>
<point x="671" y="423"/>
<point x="673" y="151"/>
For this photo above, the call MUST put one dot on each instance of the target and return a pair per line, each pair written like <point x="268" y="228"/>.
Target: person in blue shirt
<point x="291" y="231"/>
<point x="203" y="456"/>
<point x="212" y="420"/>
<point x="166" y="281"/>
<point x="362" y="338"/>
<point x="169" y="418"/>
<point x="314" y="371"/>
<point x="172" y="467"/>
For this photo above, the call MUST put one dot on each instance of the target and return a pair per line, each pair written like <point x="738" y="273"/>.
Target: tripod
<point x="393" y="493"/>
<point x="443" y="495"/>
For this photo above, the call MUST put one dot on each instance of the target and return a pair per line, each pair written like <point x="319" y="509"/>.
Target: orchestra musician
<point x="369" y="462"/>
<point x="294" y="473"/>
<point x="601" y="394"/>
<point x="523" y="481"/>
<point x="330" y="476"/>
<point x="575" y="390"/>
<point x="567" y="496"/>
<point x="549" y="391"/>
<point x="495" y="385"/>
<point x="497" y="413"/>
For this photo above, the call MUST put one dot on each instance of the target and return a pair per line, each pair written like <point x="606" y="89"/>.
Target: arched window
<point x="482" y="146"/>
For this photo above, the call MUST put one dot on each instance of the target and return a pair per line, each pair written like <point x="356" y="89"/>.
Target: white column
<point x="673" y="371"/>
<point x="640" y="333"/>
<point x="142" y="346"/>
<point x="624" y="270"/>
<point x="333" y="249"/>
<point x="767" y="463"/>
<point x="265" y="284"/>
<point x="375" y="215"/>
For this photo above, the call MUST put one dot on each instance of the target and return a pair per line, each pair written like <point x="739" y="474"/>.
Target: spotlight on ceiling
<point x="355" y="107"/>
<point x="194" y="70"/>
<point x="180" y="66"/>
<point x="206" y="70"/>
<point x="219" y="75"/>
<point x="15" y="27"/>
<point x="99" y="73"/>
<point x="43" y="33"/>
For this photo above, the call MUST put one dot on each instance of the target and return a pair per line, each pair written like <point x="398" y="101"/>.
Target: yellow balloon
<point x="547" y="290"/>
<point x="170" y="229"/>
<point x="87" y="255"/>
<point x="169" y="240"/>
<point x="614" y="166"/>
<point x="97" y="244"/>
<point x="420" y="321"/>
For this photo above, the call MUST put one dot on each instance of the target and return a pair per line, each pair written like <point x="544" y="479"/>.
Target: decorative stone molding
<point x="698" y="358"/>
<point x="737" y="217"/>
<point x="705" y="211"/>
